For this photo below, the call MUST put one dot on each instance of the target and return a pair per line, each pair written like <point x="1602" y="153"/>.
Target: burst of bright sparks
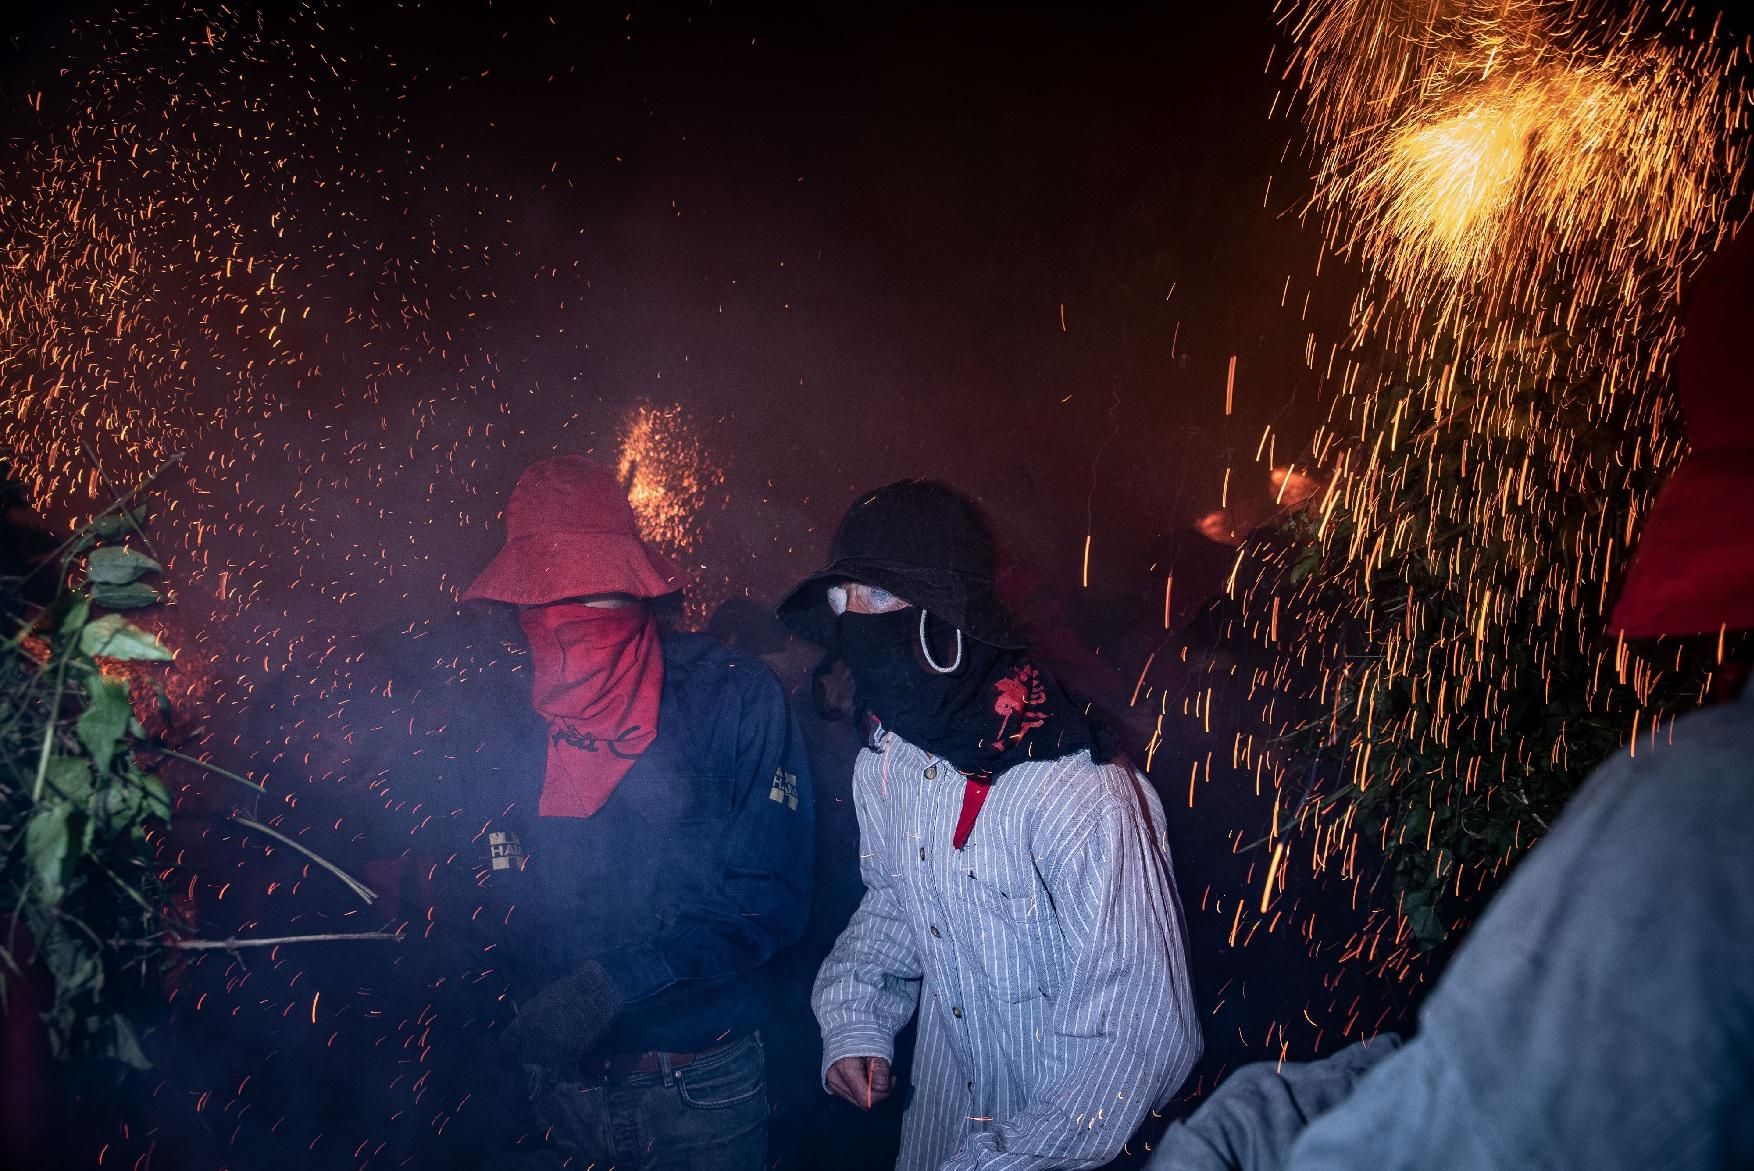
<point x="670" y="477"/>
<point x="1526" y="187"/>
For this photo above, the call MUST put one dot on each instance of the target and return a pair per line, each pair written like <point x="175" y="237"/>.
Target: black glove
<point x="559" y="1024"/>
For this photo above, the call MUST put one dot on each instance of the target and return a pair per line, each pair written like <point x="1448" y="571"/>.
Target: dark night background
<point x="1014" y="248"/>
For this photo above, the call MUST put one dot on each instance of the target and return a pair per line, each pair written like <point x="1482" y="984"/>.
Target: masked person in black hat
<point x="1018" y="886"/>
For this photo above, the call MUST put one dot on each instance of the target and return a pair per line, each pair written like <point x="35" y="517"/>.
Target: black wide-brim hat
<point x="920" y="540"/>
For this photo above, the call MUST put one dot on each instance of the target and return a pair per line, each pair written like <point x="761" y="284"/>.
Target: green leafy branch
<point x="89" y="921"/>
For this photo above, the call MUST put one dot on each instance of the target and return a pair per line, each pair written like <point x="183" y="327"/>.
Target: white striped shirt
<point x="1047" y="959"/>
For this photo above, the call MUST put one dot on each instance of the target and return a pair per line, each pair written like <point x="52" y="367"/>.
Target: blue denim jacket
<point x="693" y="874"/>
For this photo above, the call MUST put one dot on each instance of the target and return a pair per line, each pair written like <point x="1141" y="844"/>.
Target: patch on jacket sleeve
<point x="785" y="789"/>
<point x="505" y="850"/>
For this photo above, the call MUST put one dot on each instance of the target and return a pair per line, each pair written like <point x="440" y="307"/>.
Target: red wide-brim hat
<point x="1693" y="569"/>
<point x="570" y="533"/>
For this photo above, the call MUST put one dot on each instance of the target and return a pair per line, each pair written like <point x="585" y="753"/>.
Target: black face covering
<point x="997" y="708"/>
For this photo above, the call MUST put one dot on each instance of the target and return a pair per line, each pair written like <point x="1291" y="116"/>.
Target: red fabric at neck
<point x="599" y="674"/>
<point x="974" y="794"/>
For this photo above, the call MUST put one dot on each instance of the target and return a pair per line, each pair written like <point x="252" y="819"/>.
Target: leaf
<point x="124" y="597"/>
<point x="70" y="777"/>
<point x="74" y="618"/>
<point x="117" y="524"/>
<point x="1307" y="563"/>
<point x="1427" y="927"/>
<point x="156" y="799"/>
<point x="118" y="811"/>
<point x="46" y="841"/>
<point x="61" y="1021"/>
<point x="105" y="719"/>
<point x="66" y="955"/>
<point x="125" y="808"/>
<point x="125" y="1044"/>
<point x="113" y="636"/>
<point x="118" y="565"/>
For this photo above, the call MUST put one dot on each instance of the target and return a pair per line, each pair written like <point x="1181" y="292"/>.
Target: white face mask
<point x="837" y="599"/>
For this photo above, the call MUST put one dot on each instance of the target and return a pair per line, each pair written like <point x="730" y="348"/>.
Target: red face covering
<point x="599" y="673"/>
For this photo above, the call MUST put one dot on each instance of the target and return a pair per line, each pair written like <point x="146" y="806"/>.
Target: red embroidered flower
<point x="1020" y="694"/>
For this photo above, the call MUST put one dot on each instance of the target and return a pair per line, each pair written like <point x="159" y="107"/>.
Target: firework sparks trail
<point x="1501" y="171"/>
<point x="1525" y="188"/>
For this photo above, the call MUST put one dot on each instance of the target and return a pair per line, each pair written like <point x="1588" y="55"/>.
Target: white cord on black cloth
<point x="925" y="648"/>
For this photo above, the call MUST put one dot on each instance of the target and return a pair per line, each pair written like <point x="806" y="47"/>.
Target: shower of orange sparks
<point x="1501" y="166"/>
<point x="1526" y="186"/>
<point x="670" y="477"/>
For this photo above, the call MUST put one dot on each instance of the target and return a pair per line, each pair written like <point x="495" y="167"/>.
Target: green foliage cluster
<point x="87" y="921"/>
<point x="76" y="804"/>
<point x="1437" y="637"/>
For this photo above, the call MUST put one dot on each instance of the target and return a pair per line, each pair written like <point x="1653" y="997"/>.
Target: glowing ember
<point x="670" y="477"/>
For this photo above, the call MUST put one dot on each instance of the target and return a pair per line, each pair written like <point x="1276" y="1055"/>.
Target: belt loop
<point x="664" y="1069"/>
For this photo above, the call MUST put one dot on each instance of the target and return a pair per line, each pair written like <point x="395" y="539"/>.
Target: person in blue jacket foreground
<point x="631" y="839"/>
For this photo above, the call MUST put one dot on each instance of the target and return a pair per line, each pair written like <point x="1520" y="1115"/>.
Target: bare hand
<point x="863" y="1081"/>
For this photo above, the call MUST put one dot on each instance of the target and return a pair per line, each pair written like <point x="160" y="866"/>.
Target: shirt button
<point x="935" y="934"/>
<point x="931" y="772"/>
<point x="922" y="853"/>
<point x="957" y="1012"/>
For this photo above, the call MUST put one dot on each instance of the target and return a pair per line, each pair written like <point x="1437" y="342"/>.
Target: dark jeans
<point x="709" y="1115"/>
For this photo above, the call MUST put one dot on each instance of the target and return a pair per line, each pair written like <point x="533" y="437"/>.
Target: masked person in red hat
<point x="1601" y="1013"/>
<point x="639" y="845"/>
<point x="1018" y="895"/>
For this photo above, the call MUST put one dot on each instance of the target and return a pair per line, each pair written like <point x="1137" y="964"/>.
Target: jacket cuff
<point x="635" y="973"/>
<point x="855" y="1041"/>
